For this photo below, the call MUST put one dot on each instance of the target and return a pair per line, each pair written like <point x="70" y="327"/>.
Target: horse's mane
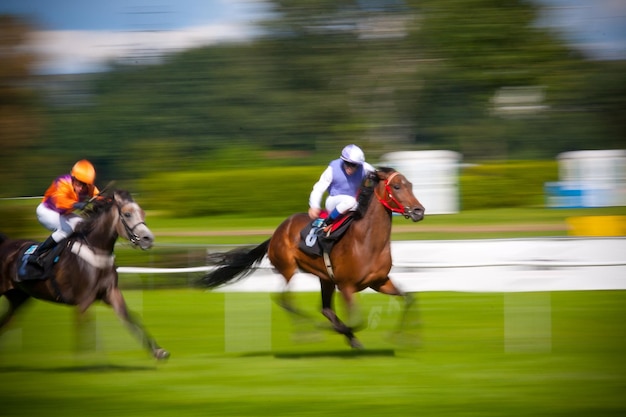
<point x="100" y="205"/>
<point x="368" y="185"/>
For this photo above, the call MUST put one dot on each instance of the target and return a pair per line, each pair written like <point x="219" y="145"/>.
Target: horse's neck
<point x="103" y="234"/>
<point x="375" y="225"/>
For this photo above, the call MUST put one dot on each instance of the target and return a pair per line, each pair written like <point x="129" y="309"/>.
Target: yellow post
<point x="597" y="226"/>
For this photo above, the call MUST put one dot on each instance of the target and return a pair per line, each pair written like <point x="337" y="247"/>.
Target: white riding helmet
<point x="353" y="154"/>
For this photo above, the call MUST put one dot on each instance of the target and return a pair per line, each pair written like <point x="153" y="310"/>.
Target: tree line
<point x="388" y="75"/>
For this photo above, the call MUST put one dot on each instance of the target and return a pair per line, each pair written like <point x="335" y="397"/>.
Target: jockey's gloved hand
<point x="80" y="205"/>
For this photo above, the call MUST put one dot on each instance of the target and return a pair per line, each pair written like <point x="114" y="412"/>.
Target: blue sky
<point x="129" y="14"/>
<point x="598" y="27"/>
<point x="81" y="35"/>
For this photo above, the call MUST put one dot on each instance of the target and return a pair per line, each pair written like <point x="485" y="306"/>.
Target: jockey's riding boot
<point x="35" y="257"/>
<point x="332" y="216"/>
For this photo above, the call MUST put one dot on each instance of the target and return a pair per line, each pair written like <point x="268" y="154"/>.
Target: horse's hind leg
<point x="116" y="300"/>
<point x="328" y="289"/>
<point x="303" y="324"/>
<point x="15" y="298"/>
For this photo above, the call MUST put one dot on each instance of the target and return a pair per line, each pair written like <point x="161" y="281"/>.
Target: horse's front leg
<point x="328" y="289"/>
<point x="410" y="319"/>
<point x="116" y="300"/>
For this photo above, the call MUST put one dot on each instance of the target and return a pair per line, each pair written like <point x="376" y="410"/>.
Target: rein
<point x="132" y="237"/>
<point x="389" y="198"/>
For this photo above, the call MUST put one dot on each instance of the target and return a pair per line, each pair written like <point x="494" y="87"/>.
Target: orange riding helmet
<point x="83" y="171"/>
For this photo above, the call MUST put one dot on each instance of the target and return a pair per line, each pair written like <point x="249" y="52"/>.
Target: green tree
<point x="604" y="95"/>
<point x="20" y="121"/>
<point x="178" y="114"/>
<point x="386" y="74"/>
<point x="472" y="51"/>
<point x="348" y="64"/>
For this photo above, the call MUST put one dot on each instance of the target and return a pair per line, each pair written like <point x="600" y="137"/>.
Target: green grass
<point x="527" y="354"/>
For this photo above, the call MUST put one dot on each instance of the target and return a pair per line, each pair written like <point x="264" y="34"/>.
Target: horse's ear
<point x="101" y="200"/>
<point x="122" y="196"/>
<point x="384" y="172"/>
<point x="105" y="195"/>
<point x="371" y="179"/>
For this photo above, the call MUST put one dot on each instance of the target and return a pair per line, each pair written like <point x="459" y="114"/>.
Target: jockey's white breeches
<point x="342" y="203"/>
<point x="60" y="225"/>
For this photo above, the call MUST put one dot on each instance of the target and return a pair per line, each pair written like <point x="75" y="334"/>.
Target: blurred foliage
<point x="470" y="57"/>
<point x="387" y="75"/>
<point x="20" y="124"/>
<point x="18" y="219"/>
<point x="251" y="192"/>
<point x="284" y="191"/>
<point x="506" y="184"/>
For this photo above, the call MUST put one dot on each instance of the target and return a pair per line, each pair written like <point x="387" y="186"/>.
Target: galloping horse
<point x="85" y="271"/>
<point x="361" y="259"/>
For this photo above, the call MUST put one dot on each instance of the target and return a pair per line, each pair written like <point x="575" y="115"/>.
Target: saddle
<point x="29" y="272"/>
<point x="316" y="241"/>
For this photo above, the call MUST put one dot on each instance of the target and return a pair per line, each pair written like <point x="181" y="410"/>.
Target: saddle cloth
<point x="315" y="240"/>
<point x="27" y="271"/>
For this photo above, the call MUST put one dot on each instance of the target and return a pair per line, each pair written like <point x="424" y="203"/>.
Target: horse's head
<point x="395" y="192"/>
<point x="131" y="223"/>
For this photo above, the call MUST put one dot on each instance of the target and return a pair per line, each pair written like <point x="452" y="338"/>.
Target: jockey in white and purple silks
<point x="342" y="179"/>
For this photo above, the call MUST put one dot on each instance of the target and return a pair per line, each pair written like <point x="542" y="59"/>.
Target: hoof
<point x="355" y="344"/>
<point x="161" y="354"/>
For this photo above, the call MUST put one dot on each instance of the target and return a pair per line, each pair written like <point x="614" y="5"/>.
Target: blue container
<point x="563" y="195"/>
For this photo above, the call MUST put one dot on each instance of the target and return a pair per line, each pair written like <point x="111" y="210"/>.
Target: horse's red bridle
<point x="389" y="198"/>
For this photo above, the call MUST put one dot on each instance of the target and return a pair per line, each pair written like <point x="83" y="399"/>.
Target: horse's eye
<point x="128" y="215"/>
<point x="396" y="187"/>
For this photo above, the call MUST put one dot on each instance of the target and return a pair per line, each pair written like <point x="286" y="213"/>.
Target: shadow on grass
<point x="324" y="354"/>
<point x="86" y="368"/>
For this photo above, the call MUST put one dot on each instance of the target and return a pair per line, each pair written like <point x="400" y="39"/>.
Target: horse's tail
<point x="233" y="265"/>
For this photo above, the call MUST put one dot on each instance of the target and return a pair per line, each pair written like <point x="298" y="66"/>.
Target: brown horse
<point x="361" y="259"/>
<point x="85" y="270"/>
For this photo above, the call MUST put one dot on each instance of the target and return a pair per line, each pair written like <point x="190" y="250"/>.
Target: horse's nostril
<point x="146" y="242"/>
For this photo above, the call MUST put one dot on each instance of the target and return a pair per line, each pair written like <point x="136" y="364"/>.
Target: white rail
<point x="500" y="265"/>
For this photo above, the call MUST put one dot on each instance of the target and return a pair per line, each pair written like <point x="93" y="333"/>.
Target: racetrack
<point x="523" y="354"/>
<point x="423" y="228"/>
